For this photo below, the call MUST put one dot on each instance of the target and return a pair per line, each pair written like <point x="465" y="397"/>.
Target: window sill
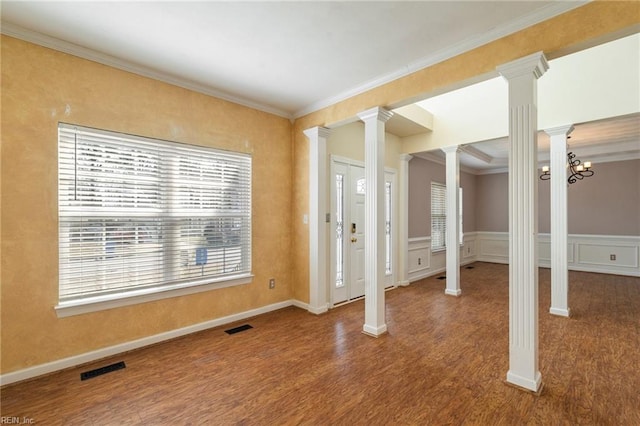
<point x="441" y="249"/>
<point x="101" y="303"/>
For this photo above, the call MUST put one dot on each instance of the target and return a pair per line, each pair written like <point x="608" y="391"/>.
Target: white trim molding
<point x="76" y="360"/>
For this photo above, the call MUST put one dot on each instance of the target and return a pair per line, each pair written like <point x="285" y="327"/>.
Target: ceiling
<point x="613" y="139"/>
<point x="287" y="58"/>
<point x="292" y="58"/>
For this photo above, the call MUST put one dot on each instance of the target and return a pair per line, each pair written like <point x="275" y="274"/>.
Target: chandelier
<point x="578" y="169"/>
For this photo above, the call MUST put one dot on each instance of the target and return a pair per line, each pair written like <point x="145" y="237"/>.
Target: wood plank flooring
<point x="444" y="361"/>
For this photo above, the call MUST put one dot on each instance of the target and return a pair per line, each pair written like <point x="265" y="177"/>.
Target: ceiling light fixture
<point x="578" y="169"/>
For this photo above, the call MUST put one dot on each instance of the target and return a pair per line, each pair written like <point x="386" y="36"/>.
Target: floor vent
<point x="102" y="370"/>
<point x="442" y="277"/>
<point x="238" y="329"/>
<point x="470" y="267"/>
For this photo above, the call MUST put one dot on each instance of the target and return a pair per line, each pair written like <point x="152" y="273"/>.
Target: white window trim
<point x="460" y="219"/>
<point x="71" y="307"/>
<point x="104" y="302"/>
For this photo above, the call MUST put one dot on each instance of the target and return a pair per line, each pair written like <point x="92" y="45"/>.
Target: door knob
<point x="354" y="239"/>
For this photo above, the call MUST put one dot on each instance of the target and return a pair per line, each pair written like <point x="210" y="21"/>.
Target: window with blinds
<point x="138" y="215"/>
<point x="439" y="216"/>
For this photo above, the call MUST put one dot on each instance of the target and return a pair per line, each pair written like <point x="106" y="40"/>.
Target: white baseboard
<point x="73" y="361"/>
<point x="299" y="304"/>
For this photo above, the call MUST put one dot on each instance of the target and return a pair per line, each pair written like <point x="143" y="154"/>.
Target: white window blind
<point x="438" y="216"/>
<point x="138" y="214"/>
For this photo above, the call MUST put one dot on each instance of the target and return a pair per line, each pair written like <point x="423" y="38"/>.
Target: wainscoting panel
<point x="424" y="263"/>
<point x="419" y="257"/>
<point x="607" y="254"/>
<point x="493" y="247"/>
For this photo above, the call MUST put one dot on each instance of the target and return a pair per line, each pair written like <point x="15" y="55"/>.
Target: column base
<point x="559" y="311"/>
<point x="318" y="310"/>
<point x="403" y="283"/>
<point x="451" y="292"/>
<point x="534" y="385"/>
<point x="372" y="331"/>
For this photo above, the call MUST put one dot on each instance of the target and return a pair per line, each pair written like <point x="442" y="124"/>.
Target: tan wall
<point x="37" y="86"/>
<point x="586" y="26"/>
<point x="41" y="87"/>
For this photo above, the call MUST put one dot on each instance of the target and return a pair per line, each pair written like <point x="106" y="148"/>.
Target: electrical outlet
<point x="612" y="257"/>
<point x="272" y="283"/>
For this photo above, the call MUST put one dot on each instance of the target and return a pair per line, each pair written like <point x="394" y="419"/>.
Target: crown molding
<point x="54" y="43"/>
<point x="444" y="54"/>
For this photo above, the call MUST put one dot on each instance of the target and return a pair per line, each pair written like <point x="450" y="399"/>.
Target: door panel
<point x="357" y="214"/>
<point x="341" y="234"/>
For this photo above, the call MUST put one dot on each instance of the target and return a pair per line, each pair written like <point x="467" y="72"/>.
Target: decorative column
<point x="374" y="249"/>
<point x="522" y="75"/>
<point x="559" y="230"/>
<point x="317" y="225"/>
<point x="403" y="221"/>
<point x="453" y="222"/>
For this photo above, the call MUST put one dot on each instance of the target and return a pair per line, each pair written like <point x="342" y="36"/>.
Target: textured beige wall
<point x="587" y="26"/>
<point x="41" y="87"/>
<point x="37" y="86"/>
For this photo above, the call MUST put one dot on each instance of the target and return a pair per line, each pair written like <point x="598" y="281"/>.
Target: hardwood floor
<point x="444" y="361"/>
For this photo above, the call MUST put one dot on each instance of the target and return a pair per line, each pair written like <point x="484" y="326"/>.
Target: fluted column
<point x="559" y="231"/>
<point x="403" y="221"/>
<point x="522" y="75"/>
<point x="453" y="224"/>
<point x="317" y="225"/>
<point x="374" y="245"/>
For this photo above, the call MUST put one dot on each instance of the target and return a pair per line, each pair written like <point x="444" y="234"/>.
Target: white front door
<point x="348" y="188"/>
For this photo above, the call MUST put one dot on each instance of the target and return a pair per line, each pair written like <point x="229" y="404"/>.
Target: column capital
<point x="451" y="149"/>
<point x="315" y="132"/>
<point x="405" y="157"/>
<point x="378" y="113"/>
<point x="560" y="130"/>
<point x="535" y="64"/>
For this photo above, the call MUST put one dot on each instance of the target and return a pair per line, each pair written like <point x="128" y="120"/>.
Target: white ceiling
<point x="613" y="139"/>
<point x="288" y="58"/>
<point x="291" y="58"/>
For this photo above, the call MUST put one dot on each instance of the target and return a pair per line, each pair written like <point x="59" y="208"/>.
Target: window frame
<point x="441" y="205"/>
<point x="164" y="282"/>
<point x="443" y="188"/>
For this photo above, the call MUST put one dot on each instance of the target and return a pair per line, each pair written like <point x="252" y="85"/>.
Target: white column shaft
<point x="522" y="77"/>
<point x="374" y="245"/>
<point x="453" y="224"/>
<point x="317" y="226"/>
<point x="559" y="229"/>
<point x="403" y="221"/>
